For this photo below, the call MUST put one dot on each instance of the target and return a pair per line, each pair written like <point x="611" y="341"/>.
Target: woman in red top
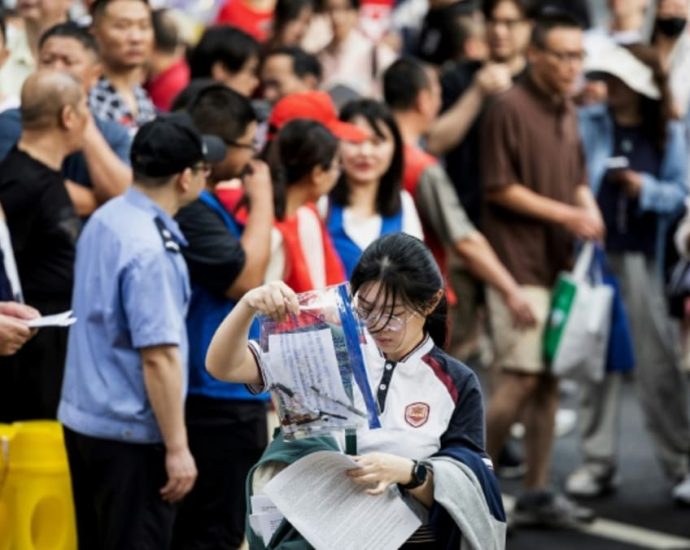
<point x="305" y="166"/>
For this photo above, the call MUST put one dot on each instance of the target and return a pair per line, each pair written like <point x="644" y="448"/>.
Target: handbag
<point x="621" y="353"/>
<point x="678" y="288"/>
<point x="576" y="336"/>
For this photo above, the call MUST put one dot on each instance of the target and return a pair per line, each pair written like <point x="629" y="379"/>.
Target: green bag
<point x="562" y="300"/>
<point x="576" y="335"/>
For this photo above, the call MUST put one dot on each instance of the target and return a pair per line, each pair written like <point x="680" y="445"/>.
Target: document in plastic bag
<point x="315" y="361"/>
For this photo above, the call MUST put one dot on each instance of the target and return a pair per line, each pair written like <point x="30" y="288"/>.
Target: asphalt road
<point x="640" y="514"/>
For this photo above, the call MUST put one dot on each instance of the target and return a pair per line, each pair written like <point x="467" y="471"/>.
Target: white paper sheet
<point x="63" y="319"/>
<point x="334" y="513"/>
<point x="265" y="517"/>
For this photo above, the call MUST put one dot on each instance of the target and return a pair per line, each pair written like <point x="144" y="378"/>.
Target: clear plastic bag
<point x="316" y="366"/>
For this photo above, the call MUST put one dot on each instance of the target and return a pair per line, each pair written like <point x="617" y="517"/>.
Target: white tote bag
<point x="581" y="352"/>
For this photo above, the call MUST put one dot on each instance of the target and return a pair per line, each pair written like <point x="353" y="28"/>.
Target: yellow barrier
<point x="36" y="509"/>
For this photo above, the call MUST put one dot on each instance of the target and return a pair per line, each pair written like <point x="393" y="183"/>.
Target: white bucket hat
<point x="619" y="62"/>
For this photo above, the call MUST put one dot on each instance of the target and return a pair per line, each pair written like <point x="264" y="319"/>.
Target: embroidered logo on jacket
<point x="417" y="414"/>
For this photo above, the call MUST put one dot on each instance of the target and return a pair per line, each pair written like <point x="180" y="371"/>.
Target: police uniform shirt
<point x="427" y="401"/>
<point x="131" y="292"/>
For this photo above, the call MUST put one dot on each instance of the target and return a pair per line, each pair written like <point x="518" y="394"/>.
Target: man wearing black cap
<point x="125" y="375"/>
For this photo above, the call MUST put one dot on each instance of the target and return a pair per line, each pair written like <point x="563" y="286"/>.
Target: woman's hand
<point x="381" y="470"/>
<point x="275" y="300"/>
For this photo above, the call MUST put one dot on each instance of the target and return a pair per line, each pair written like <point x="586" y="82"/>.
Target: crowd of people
<point x="170" y="170"/>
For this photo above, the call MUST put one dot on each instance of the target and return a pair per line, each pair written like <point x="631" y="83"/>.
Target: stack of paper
<point x="265" y="517"/>
<point x="333" y="513"/>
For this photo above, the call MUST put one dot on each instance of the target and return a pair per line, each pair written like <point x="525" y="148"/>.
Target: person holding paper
<point x="43" y="227"/>
<point x="14" y="331"/>
<point x="429" y="404"/>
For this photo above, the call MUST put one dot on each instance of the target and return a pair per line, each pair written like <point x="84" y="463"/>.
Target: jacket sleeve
<point x="666" y="194"/>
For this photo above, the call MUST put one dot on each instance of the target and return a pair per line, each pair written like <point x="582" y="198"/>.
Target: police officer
<point x="125" y="378"/>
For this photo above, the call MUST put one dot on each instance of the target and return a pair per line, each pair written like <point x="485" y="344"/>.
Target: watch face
<point x="420" y="472"/>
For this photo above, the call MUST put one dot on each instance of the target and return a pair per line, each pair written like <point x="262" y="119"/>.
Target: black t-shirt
<point x="215" y="257"/>
<point x="43" y="225"/>
<point x="628" y="228"/>
<point x="462" y="162"/>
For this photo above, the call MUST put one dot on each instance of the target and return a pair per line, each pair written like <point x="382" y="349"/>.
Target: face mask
<point x="671" y="26"/>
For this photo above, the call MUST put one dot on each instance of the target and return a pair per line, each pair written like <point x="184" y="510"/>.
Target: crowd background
<point x="501" y="132"/>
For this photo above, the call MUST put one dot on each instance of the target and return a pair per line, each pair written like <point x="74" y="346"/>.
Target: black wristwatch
<point x="419" y="474"/>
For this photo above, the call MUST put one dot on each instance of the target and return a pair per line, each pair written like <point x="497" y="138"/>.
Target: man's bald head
<point x="45" y="95"/>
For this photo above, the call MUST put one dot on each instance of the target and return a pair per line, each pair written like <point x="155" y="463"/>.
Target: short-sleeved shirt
<point x="214" y="257"/>
<point x="427" y="401"/>
<point x="131" y="292"/>
<point x="43" y="225"/>
<point x="529" y="139"/>
<point x="439" y="207"/>
<point x="462" y="162"/>
<point x="74" y="167"/>
<point x="106" y="102"/>
<point x="164" y="87"/>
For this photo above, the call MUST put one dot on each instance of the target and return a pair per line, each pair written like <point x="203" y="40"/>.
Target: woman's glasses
<point x="377" y="321"/>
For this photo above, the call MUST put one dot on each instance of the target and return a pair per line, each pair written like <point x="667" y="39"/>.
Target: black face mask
<point x="671" y="26"/>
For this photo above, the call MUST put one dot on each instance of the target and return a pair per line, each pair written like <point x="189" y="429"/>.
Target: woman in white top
<point x="368" y="201"/>
<point x="352" y="59"/>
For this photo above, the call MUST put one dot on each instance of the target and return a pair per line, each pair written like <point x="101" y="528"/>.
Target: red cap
<point x="316" y="106"/>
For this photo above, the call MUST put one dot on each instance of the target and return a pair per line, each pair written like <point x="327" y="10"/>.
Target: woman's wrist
<point x="406" y="471"/>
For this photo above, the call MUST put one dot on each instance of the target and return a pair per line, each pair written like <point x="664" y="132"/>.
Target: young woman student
<point x="429" y="404"/>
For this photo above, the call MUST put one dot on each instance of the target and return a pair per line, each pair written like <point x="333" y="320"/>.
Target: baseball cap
<point x="170" y="143"/>
<point x="621" y="63"/>
<point x="316" y="106"/>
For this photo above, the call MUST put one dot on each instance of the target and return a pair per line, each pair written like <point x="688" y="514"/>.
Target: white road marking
<point x="622" y="532"/>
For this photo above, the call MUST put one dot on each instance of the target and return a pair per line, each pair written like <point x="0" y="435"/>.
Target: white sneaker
<point x="566" y="421"/>
<point x="681" y="492"/>
<point x="588" y="483"/>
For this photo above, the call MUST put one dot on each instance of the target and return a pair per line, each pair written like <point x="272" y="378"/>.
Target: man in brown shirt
<point x="537" y="203"/>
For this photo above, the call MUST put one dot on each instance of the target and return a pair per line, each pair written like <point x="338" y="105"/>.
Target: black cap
<point x="168" y="144"/>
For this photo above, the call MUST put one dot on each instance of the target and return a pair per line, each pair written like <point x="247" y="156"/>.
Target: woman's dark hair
<point x="528" y="8"/>
<point x="377" y="115"/>
<point x="407" y="272"/>
<point x="284" y="13"/>
<point x="301" y="146"/>
<point x="656" y="113"/>
<point x="227" y="45"/>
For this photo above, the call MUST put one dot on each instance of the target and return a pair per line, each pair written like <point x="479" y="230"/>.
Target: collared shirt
<point x="427" y="401"/>
<point x="531" y="139"/>
<point x="131" y="292"/>
<point x="106" y="102"/>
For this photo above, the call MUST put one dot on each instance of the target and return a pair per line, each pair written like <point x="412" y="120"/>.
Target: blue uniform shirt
<point x="131" y="291"/>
